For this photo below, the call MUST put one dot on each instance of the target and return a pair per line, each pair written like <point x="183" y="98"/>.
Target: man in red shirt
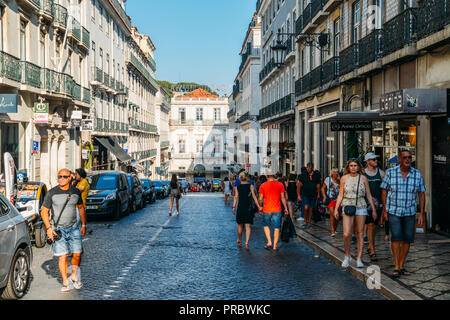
<point x="271" y="194"/>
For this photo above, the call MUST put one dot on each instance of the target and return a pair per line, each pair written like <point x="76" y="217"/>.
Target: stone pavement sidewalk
<point x="428" y="261"/>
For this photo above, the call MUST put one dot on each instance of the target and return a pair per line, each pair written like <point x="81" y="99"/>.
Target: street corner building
<point x="198" y="125"/>
<point x="338" y="79"/>
<point x="78" y="89"/>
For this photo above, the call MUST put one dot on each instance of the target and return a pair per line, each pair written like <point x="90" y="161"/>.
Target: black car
<point x="137" y="200"/>
<point x="149" y="190"/>
<point x="160" y="189"/>
<point x="108" y="194"/>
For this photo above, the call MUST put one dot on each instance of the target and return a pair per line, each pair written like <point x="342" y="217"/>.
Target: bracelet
<point x="83" y="226"/>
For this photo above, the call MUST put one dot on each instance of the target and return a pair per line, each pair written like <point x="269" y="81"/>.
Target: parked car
<point x="216" y="186"/>
<point x="160" y="189"/>
<point x="149" y="190"/>
<point x="16" y="253"/>
<point x="108" y="194"/>
<point x="137" y="199"/>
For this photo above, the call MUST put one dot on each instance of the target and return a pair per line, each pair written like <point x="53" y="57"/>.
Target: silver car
<point x="15" y="252"/>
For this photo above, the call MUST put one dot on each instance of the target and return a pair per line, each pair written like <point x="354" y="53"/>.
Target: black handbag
<point x="351" y="210"/>
<point x="252" y="208"/>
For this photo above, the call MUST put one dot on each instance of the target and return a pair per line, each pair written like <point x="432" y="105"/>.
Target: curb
<point x="388" y="287"/>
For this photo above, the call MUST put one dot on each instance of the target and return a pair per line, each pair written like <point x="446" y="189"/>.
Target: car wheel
<point x="40" y="237"/>
<point x="117" y="214"/>
<point x="18" y="277"/>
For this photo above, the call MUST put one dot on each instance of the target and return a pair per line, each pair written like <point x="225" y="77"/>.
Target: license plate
<point x="92" y="207"/>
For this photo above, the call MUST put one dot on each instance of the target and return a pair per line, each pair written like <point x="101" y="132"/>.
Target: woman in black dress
<point x="244" y="215"/>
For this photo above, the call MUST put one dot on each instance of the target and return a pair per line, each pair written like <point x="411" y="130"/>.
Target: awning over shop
<point x="113" y="146"/>
<point x="356" y="116"/>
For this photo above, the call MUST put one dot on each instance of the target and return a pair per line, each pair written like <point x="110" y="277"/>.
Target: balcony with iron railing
<point x="299" y="25"/>
<point x="86" y="95"/>
<point x="31" y="74"/>
<point x="268" y="68"/>
<point x="348" y="59"/>
<point x="10" y="67"/>
<point x="433" y="16"/>
<point x="330" y="70"/>
<point x="152" y="62"/>
<point x="85" y="38"/>
<point x="316" y="77"/>
<point x="47" y="7"/>
<point x="370" y="47"/>
<point x="105" y="79"/>
<point x="290" y="46"/>
<point x="76" y="91"/>
<point x="399" y="31"/>
<point x="61" y="15"/>
<point x="140" y="67"/>
<point x="75" y="29"/>
<point x="307" y="16"/>
<point x="278" y="107"/>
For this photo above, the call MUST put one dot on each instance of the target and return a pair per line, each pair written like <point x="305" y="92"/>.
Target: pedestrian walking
<point x="353" y="190"/>
<point x="245" y="194"/>
<point x="175" y="194"/>
<point x="271" y="196"/>
<point x="310" y="189"/>
<point x="375" y="177"/>
<point x="292" y="193"/>
<point x="330" y="192"/>
<point x="226" y="187"/>
<point x="63" y="201"/>
<point x="401" y="187"/>
<point x="83" y="185"/>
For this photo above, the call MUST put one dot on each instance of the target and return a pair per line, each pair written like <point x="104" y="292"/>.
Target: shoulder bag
<point x="252" y="208"/>
<point x="58" y="235"/>
<point x="351" y="210"/>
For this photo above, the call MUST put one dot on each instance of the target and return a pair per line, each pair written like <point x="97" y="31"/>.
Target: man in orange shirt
<point x="271" y="194"/>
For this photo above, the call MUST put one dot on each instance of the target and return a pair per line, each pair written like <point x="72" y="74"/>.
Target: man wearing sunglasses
<point x="63" y="200"/>
<point x="400" y="189"/>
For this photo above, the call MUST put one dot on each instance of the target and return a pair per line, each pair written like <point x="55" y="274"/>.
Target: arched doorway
<point x="199" y="173"/>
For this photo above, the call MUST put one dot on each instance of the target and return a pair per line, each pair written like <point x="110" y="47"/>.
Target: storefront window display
<point x="389" y="137"/>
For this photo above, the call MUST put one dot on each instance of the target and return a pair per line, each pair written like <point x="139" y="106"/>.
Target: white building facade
<point x="198" y="128"/>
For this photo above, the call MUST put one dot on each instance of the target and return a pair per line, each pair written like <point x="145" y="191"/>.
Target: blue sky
<point x="196" y="40"/>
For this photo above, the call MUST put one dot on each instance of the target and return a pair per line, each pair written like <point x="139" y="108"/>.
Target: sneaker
<point x="354" y="239"/>
<point x="170" y="214"/>
<point x="346" y="262"/>
<point x="359" y="264"/>
<point x="301" y="219"/>
<point x="366" y="240"/>
<point x="333" y="235"/>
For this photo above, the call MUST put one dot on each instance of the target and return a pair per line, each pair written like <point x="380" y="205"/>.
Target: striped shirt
<point x="402" y="194"/>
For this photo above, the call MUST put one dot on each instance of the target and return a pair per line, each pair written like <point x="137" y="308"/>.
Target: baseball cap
<point x="370" y="156"/>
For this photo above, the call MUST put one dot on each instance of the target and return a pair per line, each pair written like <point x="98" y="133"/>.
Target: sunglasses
<point x="406" y="158"/>
<point x="63" y="177"/>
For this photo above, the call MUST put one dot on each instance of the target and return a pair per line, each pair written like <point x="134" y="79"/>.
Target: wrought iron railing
<point x="433" y="16"/>
<point x="306" y="83"/>
<point x="290" y="45"/>
<point x="122" y="13"/>
<point x="316" y="77"/>
<point x="399" y="31"/>
<point x="31" y="74"/>
<point x="85" y="37"/>
<point x="76" y="29"/>
<point x="10" y="66"/>
<point x="76" y="91"/>
<point x="282" y="105"/>
<point x="370" y="47"/>
<point x="48" y="7"/>
<point x="307" y="15"/>
<point x="86" y="95"/>
<point x="267" y="69"/>
<point x="105" y="79"/>
<point x="330" y="70"/>
<point x="316" y="7"/>
<point x="299" y="25"/>
<point x="60" y="15"/>
<point x="348" y="59"/>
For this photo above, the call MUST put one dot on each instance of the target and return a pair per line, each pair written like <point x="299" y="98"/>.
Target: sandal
<point x="65" y="288"/>
<point x="276" y="249"/>
<point x="373" y="257"/>
<point x="76" y="284"/>
<point x="396" y="273"/>
<point x="267" y="246"/>
<point x="239" y="242"/>
<point x="405" y="272"/>
<point x="246" y="246"/>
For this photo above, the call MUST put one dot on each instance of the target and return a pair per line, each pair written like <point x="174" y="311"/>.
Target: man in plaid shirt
<point x="400" y="188"/>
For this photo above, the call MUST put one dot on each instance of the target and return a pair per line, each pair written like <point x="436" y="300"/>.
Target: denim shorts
<point x="71" y="239"/>
<point x="309" y="201"/>
<point x="274" y="217"/>
<point x="402" y="228"/>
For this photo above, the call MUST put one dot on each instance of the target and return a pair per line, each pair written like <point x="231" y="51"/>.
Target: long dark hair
<point x="174" y="180"/>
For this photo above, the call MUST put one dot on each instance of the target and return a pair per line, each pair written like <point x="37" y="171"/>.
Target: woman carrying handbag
<point x="244" y="195"/>
<point x="353" y="190"/>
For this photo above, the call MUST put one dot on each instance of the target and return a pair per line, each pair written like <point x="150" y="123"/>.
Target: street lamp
<point x="318" y="40"/>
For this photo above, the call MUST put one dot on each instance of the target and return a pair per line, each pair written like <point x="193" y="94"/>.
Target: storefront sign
<point x="77" y="114"/>
<point x="87" y="125"/>
<point x="352" y="126"/>
<point x="35" y="147"/>
<point x="75" y="123"/>
<point x="415" y="101"/>
<point x="8" y="103"/>
<point x="41" y="113"/>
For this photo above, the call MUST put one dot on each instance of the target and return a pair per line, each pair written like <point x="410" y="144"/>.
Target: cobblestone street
<point x="149" y="255"/>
